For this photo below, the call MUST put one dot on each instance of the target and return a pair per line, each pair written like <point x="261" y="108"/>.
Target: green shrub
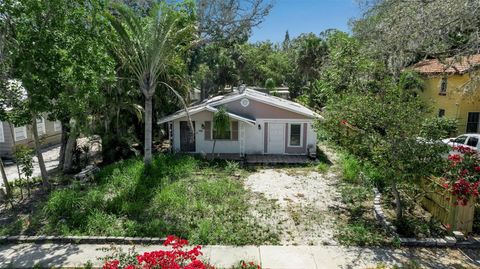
<point x="374" y="176"/>
<point x="350" y="168"/>
<point x="231" y="167"/>
<point x="323" y="167"/>
<point x="438" y="128"/>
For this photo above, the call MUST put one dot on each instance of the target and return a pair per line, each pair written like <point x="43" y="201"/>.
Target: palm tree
<point x="221" y="125"/>
<point x="147" y="45"/>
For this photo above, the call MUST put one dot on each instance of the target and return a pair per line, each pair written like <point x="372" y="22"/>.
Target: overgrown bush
<point x="438" y="128"/>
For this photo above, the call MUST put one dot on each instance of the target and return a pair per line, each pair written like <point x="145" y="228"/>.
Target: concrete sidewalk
<point x="273" y="257"/>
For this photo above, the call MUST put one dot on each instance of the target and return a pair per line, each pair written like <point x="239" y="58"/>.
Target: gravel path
<point x="302" y="199"/>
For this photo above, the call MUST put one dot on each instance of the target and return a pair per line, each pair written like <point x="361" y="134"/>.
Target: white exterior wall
<point x="252" y="134"/>
<point x="311" y="136"/>
<point x="254" y="138"/>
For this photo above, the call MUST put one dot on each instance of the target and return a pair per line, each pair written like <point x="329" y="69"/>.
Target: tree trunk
<point x="41" y="162"/>
<point x="148" y="131"/>
<point x="398" y="202"/>
<point x="69" y="150"/>
<point x="63" y="145"/>
<point x="16" y="163"/>
<point x="118" y="121"/>
<point x="5" y="180"/>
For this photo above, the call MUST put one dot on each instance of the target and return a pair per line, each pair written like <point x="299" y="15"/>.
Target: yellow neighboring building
<point x="453" y="89"/>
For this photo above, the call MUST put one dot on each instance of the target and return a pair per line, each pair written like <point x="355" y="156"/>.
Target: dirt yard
<point x="302" y="200"/>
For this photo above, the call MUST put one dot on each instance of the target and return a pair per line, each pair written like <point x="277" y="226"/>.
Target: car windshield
<point x="460" y="139"/>
<point x="472" y="141"/>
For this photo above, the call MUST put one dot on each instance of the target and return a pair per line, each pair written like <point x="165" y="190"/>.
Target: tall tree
<point x="58" y="53"/>
<point x="402" y="32"/>
<point x="146" y="46"/>
<point x="226" y="21"/>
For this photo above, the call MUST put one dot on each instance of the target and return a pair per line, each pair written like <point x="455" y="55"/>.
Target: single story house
<point x="50" y="133"/>
<point x="260" y="124"/>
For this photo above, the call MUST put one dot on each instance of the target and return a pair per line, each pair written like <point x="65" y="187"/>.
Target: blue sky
<point x="303" y="16"/>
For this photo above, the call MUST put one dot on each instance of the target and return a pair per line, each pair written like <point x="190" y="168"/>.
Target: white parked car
<point x="468" y="140"/>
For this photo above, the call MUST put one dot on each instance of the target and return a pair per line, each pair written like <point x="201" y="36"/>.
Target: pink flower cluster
<point x="462" y="177"/>
<point x="176" y="258"/>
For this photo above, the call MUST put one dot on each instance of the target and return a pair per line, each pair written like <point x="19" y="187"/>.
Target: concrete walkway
<point x="273" y="257"/>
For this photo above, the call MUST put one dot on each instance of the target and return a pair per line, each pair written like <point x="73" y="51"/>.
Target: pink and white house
<point x="260" y="124"/>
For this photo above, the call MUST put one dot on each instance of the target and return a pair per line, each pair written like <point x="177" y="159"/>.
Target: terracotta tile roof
<point x="449" y="66"/>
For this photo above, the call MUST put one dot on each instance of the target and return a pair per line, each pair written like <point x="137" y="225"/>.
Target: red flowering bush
<point x="462" y="176"/>
<point x="176" y="258"/>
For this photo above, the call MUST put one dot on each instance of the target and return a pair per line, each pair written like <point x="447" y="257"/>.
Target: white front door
<point x="276" y="138"/>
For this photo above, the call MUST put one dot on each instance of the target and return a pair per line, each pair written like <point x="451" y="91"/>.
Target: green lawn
<point x="205" y="203"/>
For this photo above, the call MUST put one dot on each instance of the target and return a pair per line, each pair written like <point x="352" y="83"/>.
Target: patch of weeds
<point x="351" y="168"/>
<point x="359" y="228"/>
<point x="414" y="226"/>
<point x="177" y="194"/>
<point x="232" y="167"/>
<point x="323" y="167"/>
<point x="360" y="233"/>
<point x="355" y="194"/>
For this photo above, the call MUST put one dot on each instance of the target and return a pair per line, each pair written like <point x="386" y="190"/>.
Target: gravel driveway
<point x="302" y="200"/>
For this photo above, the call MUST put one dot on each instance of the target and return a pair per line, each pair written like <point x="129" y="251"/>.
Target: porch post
<point x="241" y="138"/>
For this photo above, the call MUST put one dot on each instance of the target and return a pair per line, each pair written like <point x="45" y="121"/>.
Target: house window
<point x="20" y="133"/>
<point x="472" y="122"/>
<point x="443" y="87"/>
<point x="441" y="113"/>
<point x="57" y="126"/>
<point x="2" y="134"/>
<point x="41" y="126"/>
<point x="225" y="136"/>
<point x="295" y="135"/>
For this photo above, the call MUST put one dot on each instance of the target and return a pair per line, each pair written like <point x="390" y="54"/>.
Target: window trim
<point x="2" y="133"/>
<point x="56" y="124"/>
<point x="290" y="137"/>
<point x="42" y="123"/>
<point x="24" y="130"/>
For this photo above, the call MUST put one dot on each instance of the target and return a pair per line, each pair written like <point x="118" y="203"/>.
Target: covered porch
<point x="267" y="159"/>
